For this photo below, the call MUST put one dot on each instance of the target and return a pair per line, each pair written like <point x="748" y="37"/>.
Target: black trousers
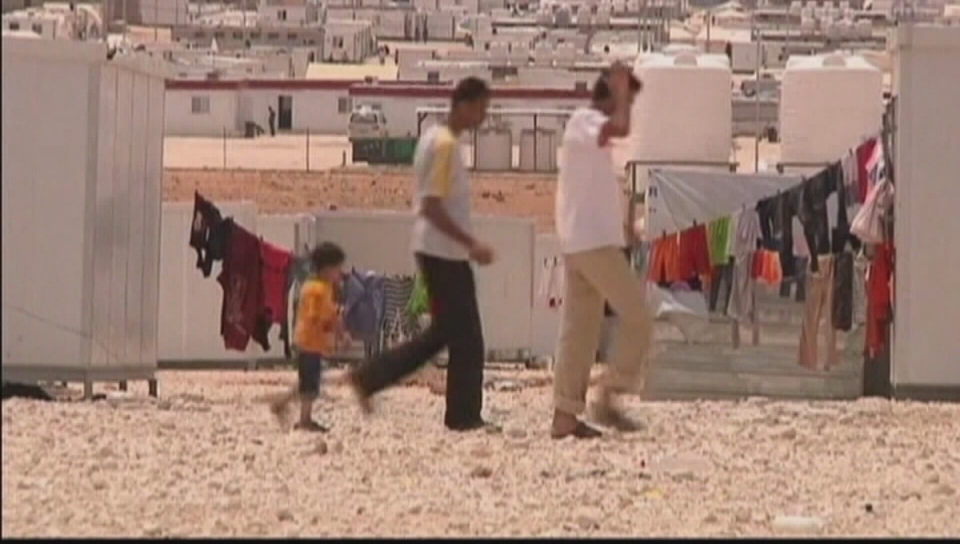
<point x="455" y="325"/>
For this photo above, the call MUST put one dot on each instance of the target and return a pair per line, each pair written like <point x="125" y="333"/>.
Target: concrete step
<point x="667" y="382"/>
<point x="763" y="359"/>
<point x="684" y="371"/>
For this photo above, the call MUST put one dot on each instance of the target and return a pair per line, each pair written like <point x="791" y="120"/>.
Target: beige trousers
<point x="591" y="278"/>
<point x="818" y="308"/>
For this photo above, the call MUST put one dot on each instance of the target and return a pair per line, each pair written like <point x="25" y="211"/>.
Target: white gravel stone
<point x="209" y="460"/>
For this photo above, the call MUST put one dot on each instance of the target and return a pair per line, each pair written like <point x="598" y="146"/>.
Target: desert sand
<point x="207" y="459"/>
<point x="280" y="191"/>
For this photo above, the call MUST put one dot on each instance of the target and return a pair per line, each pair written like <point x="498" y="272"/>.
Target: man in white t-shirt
<point x="443" y="245"/>
<point x="592" y="229"/>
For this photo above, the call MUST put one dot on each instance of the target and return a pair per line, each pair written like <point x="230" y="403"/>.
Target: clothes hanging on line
<point x="209" y="236"/>
<point x="719" y="235"/>
<point x="842" y="312"/>
<point x="255" y="277"/>
<point x="879" y="298"/>
<point x="363" y="303"/>
<point x="818" y="309"/>
<point x="766" y="267"/>
<point x="747" y="234"/>
<point x="274" y="274"/>
<point x="682" y="257"/>
<point x="240" y="280"/>
<point x="871" y="167"/>
<point x="419" y="302"/>
<point x="798" y="282"/>
<point x="396" y="323"/>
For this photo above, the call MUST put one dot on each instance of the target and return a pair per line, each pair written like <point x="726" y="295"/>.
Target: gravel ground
<point x="207" y="459"/>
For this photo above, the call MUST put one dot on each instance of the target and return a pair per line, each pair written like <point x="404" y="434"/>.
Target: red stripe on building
<point x="400" y="89"/>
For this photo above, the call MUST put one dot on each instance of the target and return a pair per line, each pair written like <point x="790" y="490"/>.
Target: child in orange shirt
<point x="317" y="326"/>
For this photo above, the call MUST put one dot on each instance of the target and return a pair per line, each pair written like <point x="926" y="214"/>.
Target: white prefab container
<point x="380" y="241"/>
<point x="828" y="104"/>
<point x="544" y="331"/>
<point x="684" y="112"/>
<point x="393" y="25"/>
<point x="926" y="347"/>
<point x="538" y="151"/>
<point x="441" y="25"/>
<point x="82" y="166"/>
<point x="494" y="150"/>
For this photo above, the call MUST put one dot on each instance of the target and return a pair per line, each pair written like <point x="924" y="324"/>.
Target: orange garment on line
<point x="680" y="257"/>
<point x="766" y="267"/>
<point x="664" y="253"/>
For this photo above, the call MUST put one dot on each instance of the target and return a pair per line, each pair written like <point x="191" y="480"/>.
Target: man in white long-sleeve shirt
<point x="593" y="232"/>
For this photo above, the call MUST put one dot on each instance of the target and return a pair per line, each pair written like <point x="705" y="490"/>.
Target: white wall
<point x="163" y="12"/>
<point x="317" y="110"/>
<point x="381" y="241"/>
<point x="82" y="147"/>
<point x="926" y="344"/>
<point x="180" y="120"/>
<point x="545" y="328"/>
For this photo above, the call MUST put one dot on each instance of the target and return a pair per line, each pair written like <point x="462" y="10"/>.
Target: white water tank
<point x="828" y="103"/>
<point x="684" y="112"/>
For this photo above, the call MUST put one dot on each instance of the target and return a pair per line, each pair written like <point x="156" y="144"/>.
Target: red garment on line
<point x="879" y="298"/>
<point x="273" y="280"/>
<point x="864" y="152"/>
<point x="694" y="254"/>
<point x="240" y="280"/>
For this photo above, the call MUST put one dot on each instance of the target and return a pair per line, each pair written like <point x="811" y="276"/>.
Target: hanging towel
<point x="419" y="302"/>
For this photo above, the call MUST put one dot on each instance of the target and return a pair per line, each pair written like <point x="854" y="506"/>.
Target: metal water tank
<point x="494" y="149"/>
<point x="538" y="150"/>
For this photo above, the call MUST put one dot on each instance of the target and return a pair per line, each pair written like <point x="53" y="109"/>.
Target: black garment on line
<point x="455" y="325"/>
<point x="788" y="206"/>
<point x="800" y="280"/>
<point x="841" y="235"/>
<point x="721" y="286"/>
<point x="209" y="234"/>
<point x="766" y="210"/>
<point x="842" y="311"/>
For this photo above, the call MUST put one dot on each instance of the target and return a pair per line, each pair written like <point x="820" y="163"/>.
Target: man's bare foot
<point x="607" y="413"/>
<point x="311" y="426"/>
<point x="363" y="399"/>
<point x="565" y="425"/>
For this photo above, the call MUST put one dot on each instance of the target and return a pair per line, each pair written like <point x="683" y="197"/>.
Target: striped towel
<point x="396" y="294"/>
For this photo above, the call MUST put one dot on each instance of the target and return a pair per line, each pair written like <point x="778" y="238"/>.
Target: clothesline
<point x="677" y="200"/>
<point x="258" y="278"/>
<point x="721" y="233"/>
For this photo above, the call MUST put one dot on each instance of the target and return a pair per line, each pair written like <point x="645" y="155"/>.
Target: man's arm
<point x="618" y="125"/>
<point x="441" y="178"/>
